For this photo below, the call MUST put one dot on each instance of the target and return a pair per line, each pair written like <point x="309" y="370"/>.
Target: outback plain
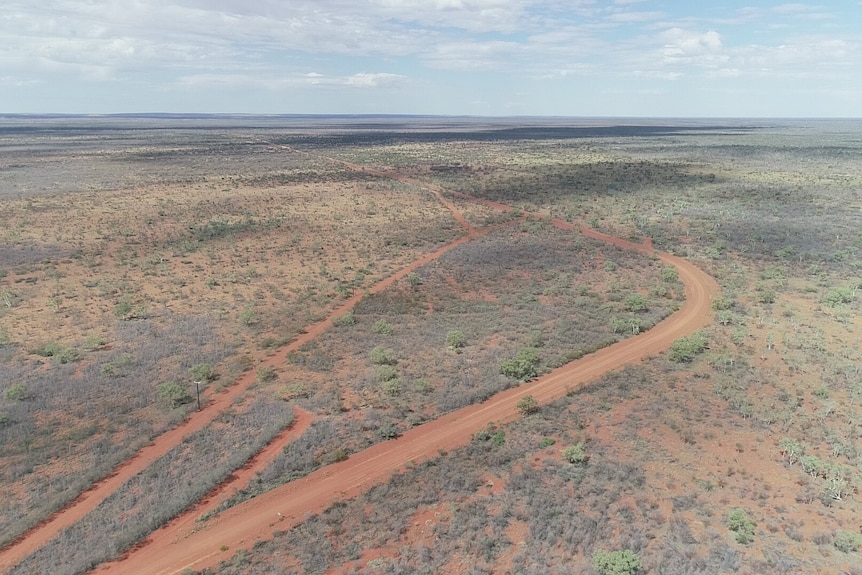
<point x="197" y="313"/>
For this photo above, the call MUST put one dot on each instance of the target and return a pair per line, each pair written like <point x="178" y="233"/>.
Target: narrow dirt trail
<point x="285" y="507"/>
<point x="216" y="403"/>
<point x="184" y="524"/>
<point x="259" y="519"/>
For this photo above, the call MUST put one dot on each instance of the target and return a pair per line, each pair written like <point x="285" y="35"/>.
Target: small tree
<point x="685" y="349"/>
<point x="523" y="366"/>
<point x="625" y="562"/>
<point x="742" y="525"/>
<point x="847" y="541"/>
<point x="383" y="356"/>
<point x="391" y="387"/>
<point x="248" y="316"/>
<point x="266" y="373"/>
<point x="636" y="302"/>
<point x="388" y="431"/>
<point x="669" y="274"/>
<point x="345" y="320"/>
<point x="174" y="394"/>
<point x="383" y="327"/>
<point x="455" y="339"/>
<point x="527" y="405"/>
<point x="575" y="454"/>
<point x="202" y="372"/>
<point x="16" y="392"/>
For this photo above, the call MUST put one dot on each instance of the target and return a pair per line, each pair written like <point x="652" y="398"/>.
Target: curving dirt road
<point x="178" y="546"/>
<point x="13" y="553"/>
<point x="279" y="510"/>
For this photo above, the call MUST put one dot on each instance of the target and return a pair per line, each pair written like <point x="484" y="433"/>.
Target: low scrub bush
<point x="686" y="348"/>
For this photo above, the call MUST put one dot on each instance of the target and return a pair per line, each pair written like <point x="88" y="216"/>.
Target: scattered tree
<point x="383" y="356"/>
<point x="625" y="562"/>
<point x="742" y="525"/>
<point x="847" y="541"/>
<point x="669" y="274"/>
<point x="16" y="392"/>
<point x="174" y="394"/>
<point x="383" y="327"/>
<point x="686" y="348"/>
<point x="636" y="302"/>
<point x="576" y="454"/>
<point x="455" y="339"/>
<point x="528" y="405"/>
<point x="388" y="431"/>
<point x="523" y="366"/>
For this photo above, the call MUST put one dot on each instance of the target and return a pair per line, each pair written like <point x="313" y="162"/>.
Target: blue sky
<point x="474" y="57"/>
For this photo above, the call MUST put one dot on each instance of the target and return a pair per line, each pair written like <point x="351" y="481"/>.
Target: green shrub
<point x="202" y="372"/>
<point x="625" y="562"/>
<point x="686" y="348"/>
<point x="847" y="541"/>
<point x="669" y="274"/>
<point x="575" y="454"/>
<point x="636" y="302"/>
<point x="547" y="442"/>
<point x="523" y="366"/>
<point x="94" y="343"/>
<point x="386" y="373"/>
<point x="527" y="405"/>
<point x="722" y="304"/>
<point x="67" y="355"/>
<point x="347" y="319"/>
<point x="383" y="356"/>
<point x="266" y="373"/>
<point x="391" y="387"/>
<point x="383" y="327"/>
<point x="765" y="295"/>
<point x="499" y="438"/>
<point x="50" y="349"/>
<point x="4" y="419"/>
<point x="174" y="394"/>
<point x="126" y="309"/>
<point x="839" y="296"/>
<point x="388" y="431"/>
<point x="16" y="392"/>
<point x="455" y="339"/>
<point x="422" y="385"/>
<point x="248" y="316"/>
<point x="741" y="525"/>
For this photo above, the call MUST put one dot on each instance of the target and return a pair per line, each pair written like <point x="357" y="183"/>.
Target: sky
<point x="624" y="58"/>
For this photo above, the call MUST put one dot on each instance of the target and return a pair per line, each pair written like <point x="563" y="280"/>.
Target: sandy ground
<point x="185" y="543"/>
<point x="166" y="551"/>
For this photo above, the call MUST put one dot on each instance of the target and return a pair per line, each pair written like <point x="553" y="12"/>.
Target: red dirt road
<point x="285" y="507"/>
<point x="27" y="543"/>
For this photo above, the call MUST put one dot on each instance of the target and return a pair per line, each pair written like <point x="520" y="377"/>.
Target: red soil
<point x="177" y="546"/>
<point x="279" y="510"/>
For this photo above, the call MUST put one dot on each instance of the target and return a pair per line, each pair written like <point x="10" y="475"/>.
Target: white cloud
<point x="629" y="17"/>
<point x="362" y="80"/>
<point x="314" y="45"/>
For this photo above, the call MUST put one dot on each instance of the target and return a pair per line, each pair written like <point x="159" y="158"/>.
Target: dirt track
<point x="176" y="547"/>
<point x="12" y="554"/>
<point x="285" y="507"/>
